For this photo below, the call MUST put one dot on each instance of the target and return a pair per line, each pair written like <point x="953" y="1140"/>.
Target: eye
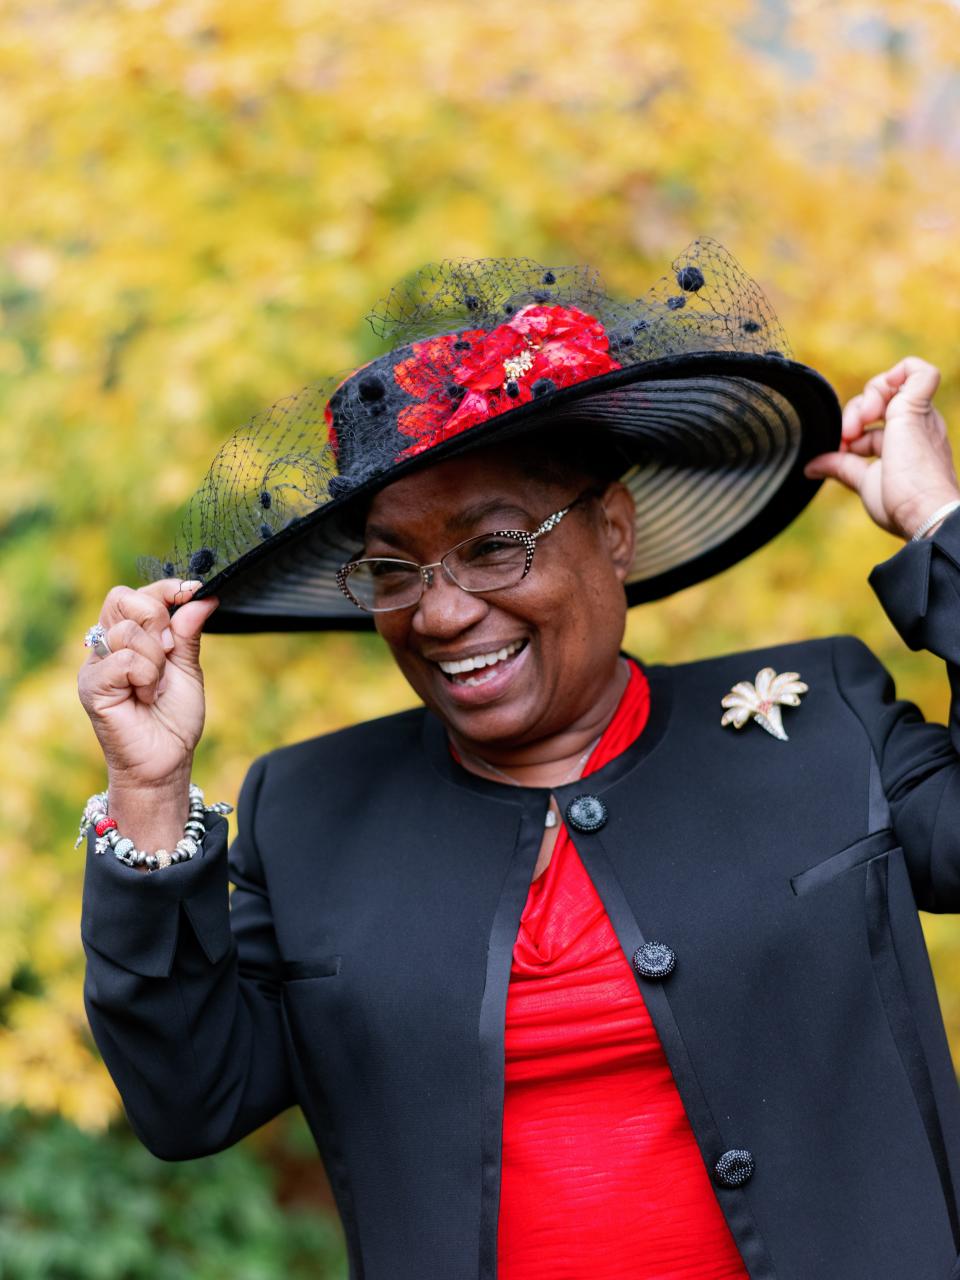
<point x="385" y="569"/>
<point x="489" y="548"/>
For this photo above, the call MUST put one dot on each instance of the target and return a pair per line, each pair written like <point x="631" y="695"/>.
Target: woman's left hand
<point x="902" y="469"/>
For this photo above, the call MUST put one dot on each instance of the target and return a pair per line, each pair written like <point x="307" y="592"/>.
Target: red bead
<point x="105" y="825"/>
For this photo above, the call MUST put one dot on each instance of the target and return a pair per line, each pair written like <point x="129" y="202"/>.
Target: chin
<point x="492" y="723"/>
<point x="491" y="726"/>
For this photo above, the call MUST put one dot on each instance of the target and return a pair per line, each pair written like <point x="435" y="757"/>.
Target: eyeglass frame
<point x="523" y="536"/>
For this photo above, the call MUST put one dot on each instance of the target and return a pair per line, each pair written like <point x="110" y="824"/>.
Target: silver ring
<point x="96" y="639"/>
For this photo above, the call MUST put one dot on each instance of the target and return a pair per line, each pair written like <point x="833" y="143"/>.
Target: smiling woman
<point x="538" y="707"/>
<point x="570" y="978"/>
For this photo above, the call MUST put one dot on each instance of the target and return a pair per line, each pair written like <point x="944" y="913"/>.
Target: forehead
<point x="459" y="493"/>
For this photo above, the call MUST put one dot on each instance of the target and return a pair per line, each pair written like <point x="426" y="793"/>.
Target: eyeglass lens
<point x="484" y="563"/>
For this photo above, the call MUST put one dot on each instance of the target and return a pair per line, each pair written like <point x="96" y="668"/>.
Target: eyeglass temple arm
<point x="551" y="522"/>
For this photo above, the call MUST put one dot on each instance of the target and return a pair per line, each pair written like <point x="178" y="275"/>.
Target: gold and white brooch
<point x="762" y="701"/>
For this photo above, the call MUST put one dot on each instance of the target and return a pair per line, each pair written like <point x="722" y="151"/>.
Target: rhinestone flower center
<point x="516" y="366"/>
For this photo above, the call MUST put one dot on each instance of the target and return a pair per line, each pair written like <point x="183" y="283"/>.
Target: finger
<point x="851" y="422"/>
<point x="171" y="591"/>
<point x="149" y="606"/>
<point x="187" y="625"/>
<point x="123" y="603"/>
<point x="847" y="467"/>
<point x="187" y="621"/>
<point x="128" y="634"/>
<point x="111" y="679"/>
<point x="912" y="378"/>
<point x="869" y="445"/>
<point x="869" y="406"/>
<point x="919" y="380"/>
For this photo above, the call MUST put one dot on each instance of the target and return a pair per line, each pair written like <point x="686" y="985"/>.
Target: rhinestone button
<point x="734" y="1168"/>
<point x="586" y="813"/>
<point x="654" y="960"/>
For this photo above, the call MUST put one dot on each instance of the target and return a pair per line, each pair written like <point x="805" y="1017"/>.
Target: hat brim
<point x="718" y="443"/>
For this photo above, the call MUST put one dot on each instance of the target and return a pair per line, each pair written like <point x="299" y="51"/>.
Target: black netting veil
<point x="693" y="380"/>
<point x="707" y="299"/>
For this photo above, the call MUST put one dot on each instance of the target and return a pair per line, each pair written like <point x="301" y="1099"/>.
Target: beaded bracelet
<point x="108" y="837"/>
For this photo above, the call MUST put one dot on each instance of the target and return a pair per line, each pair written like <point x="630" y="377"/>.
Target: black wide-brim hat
<point x="691" y="384"/>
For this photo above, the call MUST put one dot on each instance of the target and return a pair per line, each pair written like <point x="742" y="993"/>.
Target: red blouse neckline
<point x="592" y="1117"/>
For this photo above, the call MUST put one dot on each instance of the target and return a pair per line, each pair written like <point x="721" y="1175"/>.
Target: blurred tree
<point x="78" y="1206"/>
<point x="201" y="201"/>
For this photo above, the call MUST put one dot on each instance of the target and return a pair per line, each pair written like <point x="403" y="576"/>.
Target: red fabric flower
<point x="458" y="386"/>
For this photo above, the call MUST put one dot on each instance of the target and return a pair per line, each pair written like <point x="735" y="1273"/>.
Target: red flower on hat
<point x="464" y="378"/>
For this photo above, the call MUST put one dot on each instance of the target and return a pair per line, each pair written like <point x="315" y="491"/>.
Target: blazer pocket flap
<point x="861" y="850"/>
<point x="320" y="967"/>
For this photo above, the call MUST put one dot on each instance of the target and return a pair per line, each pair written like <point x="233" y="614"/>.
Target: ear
<point x="620" y="514"/>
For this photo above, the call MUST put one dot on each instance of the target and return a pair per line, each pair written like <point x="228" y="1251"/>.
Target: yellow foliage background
<point x="200" y="202"/>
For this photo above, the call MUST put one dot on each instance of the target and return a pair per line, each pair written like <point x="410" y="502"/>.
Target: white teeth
<point x="488" y="675"/>
<point x="479" y="661"/>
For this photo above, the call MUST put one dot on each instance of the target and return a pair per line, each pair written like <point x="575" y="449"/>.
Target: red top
<point x="601" y="1174"/>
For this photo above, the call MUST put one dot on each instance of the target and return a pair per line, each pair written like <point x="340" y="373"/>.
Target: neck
<point x="550" y="761"/>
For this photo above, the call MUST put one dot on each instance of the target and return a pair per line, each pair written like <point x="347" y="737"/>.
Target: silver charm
<point x="96" y="807"/>
<point x="762" y="701"/>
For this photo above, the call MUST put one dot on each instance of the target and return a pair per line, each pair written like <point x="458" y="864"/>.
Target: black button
<point x="586" y="813"/>
<point x="654" y="960"/>
<point x="734" y="1168"/>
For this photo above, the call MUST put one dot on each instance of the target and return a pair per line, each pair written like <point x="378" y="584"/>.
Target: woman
<point x="568" y="976"/>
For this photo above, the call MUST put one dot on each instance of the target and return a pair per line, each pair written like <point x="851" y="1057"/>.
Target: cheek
<point x="395" y="636"/>
<point x="419" y="675"/>
<point x="592" y="618"/>
<point x="584" y="585"/>
<point x="560" y="618"/>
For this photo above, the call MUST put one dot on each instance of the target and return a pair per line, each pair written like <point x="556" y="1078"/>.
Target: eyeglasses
<point x="488" y="562"/>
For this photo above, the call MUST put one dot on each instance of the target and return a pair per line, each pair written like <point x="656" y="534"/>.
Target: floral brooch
<point x="762" y="701"/>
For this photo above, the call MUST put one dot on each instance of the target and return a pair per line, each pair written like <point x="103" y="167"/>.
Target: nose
<point x="444" y="609"/>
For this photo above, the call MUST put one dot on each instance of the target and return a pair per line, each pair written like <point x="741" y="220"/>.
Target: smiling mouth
<point x="482" y="666"/>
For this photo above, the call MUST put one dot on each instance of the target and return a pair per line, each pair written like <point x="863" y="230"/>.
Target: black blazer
<point x="361" y="969"/>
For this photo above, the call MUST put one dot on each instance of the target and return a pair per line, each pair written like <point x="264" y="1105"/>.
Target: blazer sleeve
<point x="182" y="989"/>
<point x="919" y="762"/>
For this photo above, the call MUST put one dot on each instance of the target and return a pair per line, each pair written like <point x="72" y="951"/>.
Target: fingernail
<point x="167" y="639"/>
<point x="191" y="585"/>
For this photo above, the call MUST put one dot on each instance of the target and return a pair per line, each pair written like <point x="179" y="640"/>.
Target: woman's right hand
<point x="145" y="699"/>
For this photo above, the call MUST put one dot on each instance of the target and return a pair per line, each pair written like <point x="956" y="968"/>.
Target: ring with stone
<point x="96" y="639"/>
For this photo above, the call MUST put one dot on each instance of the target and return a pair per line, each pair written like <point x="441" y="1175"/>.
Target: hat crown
<point x="473" y="339"/>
